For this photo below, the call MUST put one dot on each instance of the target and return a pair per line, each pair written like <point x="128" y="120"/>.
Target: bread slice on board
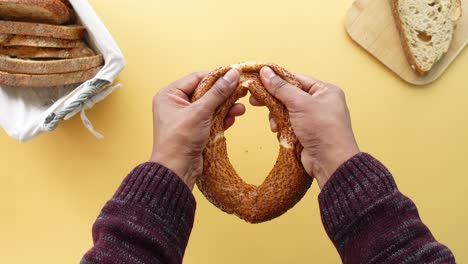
<point x="12" y="65"/>
<point x="45" y="53"/>
<point x="42" y="11"/>
<point x="426" y="29"/>
<point x="35" y="41"/>
<point x="42" y="30"/>
<point x="46" y="80"/>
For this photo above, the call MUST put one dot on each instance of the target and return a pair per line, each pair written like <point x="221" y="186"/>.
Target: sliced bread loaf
<point x="35" y="41"/>
<point x="50" y="11"/>
<point x="42" y="30"/>
<point x="46" y="53"/>
<point x="426" y="29"/>
<point x="46" y="80"/>
<point x="12" y="65"/>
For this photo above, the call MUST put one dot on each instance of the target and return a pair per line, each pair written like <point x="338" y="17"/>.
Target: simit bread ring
<point x="287" y="182"/>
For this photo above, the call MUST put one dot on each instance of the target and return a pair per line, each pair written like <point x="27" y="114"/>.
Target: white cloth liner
<point x="23" y="110"/>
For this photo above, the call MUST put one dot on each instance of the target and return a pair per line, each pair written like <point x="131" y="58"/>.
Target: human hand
<point x="320" y="119"/>
<point x="181" y="128"/>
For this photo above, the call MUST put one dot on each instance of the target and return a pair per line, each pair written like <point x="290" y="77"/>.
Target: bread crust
<point x="42" y="30"/>
<point x="287" y="182"/>
<point x="50" y="11"/>
<point x="404" y="40"/>
<point x="46" y="80"/>
<point x="11" y="65"/>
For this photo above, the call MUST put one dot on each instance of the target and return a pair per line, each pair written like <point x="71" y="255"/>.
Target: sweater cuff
<point x="351" y="190"/>
<point x="160" y="190"/>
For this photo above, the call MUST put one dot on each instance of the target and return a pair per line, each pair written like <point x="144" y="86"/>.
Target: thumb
<point x="221" y="90"/>
<point x="279" y="88"/>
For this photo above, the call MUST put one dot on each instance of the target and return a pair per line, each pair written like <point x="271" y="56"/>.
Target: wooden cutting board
<point x="370" y="23"/>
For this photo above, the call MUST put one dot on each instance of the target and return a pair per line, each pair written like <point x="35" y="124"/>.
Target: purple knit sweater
<point x="150" y="218"/>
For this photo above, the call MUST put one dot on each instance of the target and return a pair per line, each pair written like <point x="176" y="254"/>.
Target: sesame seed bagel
<point x="287" y="182"/>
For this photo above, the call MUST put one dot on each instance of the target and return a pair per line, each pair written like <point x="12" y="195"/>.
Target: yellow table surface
<point x="53" y="188"/>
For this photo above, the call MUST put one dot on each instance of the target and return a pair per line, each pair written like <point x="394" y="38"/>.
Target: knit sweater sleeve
<point x="370" y="221"/>
<point x="148" y="220"/>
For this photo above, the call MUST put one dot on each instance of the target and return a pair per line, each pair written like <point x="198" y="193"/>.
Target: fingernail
<point x="268" y="72"/>
<point x="231" y="76"/>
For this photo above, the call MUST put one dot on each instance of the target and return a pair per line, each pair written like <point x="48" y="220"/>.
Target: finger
<point x="279" y="88"/>
<point x="221" y="90"/>
<point x="237" y="109"/>
<point x="310" y="85"/>
<point x="228" y="122"/>
<point x="187" y="84"/>
<point x="253" y="101"/>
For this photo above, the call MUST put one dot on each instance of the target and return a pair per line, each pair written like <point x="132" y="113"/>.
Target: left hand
<point x="182" y="129"/>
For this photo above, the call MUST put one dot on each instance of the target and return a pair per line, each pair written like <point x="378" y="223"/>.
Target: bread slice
<point x="45" y="53"/>
<point x="12" y="65"/>
<point x="46" y="80"/>
<point x="42" y="30"/>
<point x="50" y="11"/>
<point x="5" y="38"/>
<point x="35" y="41"/>
<point x="426" y="29"/>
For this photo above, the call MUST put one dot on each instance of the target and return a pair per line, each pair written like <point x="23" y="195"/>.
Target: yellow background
<point x="53" y="188"/>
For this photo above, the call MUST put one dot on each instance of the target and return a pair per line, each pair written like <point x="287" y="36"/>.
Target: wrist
<point x="322" y="167"/>
<point x="180" y="166"/>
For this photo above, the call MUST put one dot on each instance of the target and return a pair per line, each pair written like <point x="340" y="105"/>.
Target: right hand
<point x="181" y="129"/>
<point x="320" y="119"/>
